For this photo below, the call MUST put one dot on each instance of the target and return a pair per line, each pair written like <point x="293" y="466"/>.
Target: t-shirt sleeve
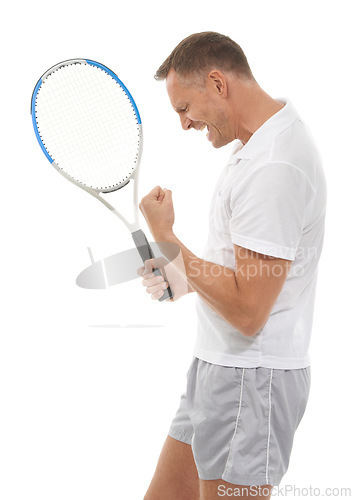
<point x="268" y="210"/>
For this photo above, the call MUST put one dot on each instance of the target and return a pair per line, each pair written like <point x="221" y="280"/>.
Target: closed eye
<point x="182" y="110"/>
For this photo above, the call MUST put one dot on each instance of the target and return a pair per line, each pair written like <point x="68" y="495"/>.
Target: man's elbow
<point x="250" y="331"/>
<point x="250" y="326"/>
<point x="248" y="320"/>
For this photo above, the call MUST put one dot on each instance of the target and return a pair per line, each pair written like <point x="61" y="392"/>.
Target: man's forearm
<point x="216" y="285"/>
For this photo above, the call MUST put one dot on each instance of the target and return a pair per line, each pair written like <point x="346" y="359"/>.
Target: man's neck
<point x="256" y="108"/>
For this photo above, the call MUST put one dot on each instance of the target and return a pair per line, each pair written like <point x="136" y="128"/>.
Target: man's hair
<point x="200" y="53"/>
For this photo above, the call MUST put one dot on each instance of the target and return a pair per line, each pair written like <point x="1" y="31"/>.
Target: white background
<point x="87" y="397"/>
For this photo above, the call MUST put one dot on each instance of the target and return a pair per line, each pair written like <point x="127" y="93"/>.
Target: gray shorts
<point x="241" y="422"/>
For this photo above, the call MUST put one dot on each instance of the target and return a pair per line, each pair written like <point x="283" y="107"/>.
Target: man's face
<point x="200" y="108"/>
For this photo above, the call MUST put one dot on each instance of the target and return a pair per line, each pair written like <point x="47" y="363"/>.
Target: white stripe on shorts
<point x="237" y="418"/>
<point x="269" y="418"/>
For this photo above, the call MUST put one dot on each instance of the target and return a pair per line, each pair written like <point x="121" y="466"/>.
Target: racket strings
<point x="88" y="125"/>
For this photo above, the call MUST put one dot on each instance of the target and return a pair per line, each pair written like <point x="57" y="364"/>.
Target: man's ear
<point x="218" y="82"/>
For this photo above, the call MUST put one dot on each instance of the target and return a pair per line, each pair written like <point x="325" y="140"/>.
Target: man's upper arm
<point x="259" y="280"/>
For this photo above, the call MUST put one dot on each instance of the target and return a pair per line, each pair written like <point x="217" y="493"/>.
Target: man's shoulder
<point x="294" y="145"/>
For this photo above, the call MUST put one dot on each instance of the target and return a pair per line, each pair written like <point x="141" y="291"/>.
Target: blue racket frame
<point x="63" y="63"/>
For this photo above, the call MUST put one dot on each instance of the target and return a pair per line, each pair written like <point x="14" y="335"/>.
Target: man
<point x="248" y="384"/>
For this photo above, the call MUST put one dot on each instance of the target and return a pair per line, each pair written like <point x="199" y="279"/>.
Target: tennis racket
<point x="89" y="128"/>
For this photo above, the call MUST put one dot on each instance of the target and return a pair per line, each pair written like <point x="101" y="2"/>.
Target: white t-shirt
<point x="270" y="198"/>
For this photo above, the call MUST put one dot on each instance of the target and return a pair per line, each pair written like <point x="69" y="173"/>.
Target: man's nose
<point x="186" y="123"/>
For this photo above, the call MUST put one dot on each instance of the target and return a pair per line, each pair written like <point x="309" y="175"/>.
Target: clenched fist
<point x="158" y="210"/>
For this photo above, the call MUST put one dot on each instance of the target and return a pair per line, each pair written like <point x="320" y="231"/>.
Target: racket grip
<point x="167" y="292"/>
<point x="146" y="253"/>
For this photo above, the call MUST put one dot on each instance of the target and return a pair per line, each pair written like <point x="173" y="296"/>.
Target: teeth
<point x="202" y="127"/>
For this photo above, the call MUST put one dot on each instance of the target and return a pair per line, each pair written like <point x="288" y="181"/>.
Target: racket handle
<point x="146" y="253"/>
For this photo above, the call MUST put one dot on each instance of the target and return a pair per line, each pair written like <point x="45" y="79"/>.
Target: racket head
<point x="87" y="124"/>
